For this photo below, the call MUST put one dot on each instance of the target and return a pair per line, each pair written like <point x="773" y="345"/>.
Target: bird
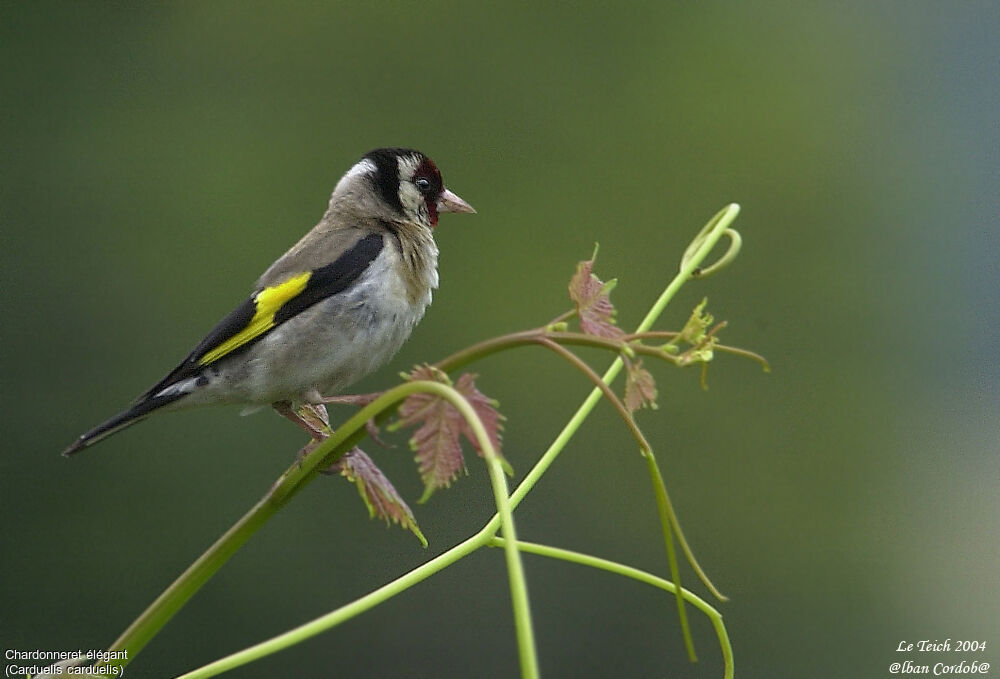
<point x="330" y="311"/>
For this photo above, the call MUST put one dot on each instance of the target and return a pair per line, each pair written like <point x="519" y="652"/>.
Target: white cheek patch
<point x="411" y="199"/>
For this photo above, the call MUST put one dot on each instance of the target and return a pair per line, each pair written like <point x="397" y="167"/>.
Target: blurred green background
<point x="156" y="158"/>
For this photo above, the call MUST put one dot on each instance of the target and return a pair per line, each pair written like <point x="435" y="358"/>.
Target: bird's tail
<point x="136" y="413"/>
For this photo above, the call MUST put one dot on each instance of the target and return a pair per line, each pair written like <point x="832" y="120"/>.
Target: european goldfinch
<point x="332" y="309"/>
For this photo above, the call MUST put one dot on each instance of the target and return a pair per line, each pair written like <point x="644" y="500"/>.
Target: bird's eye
<point x="423" y="184"/>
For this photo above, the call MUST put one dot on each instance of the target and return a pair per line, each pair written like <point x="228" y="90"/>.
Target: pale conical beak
<point x="449" y="202"/>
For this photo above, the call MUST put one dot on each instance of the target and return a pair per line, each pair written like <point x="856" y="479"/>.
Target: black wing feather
<point x="331" y="279"/>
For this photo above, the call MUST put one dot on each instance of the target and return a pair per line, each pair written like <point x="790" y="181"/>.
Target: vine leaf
<point x="593" y="303"/>
<point x="439" y="426"/>
<point x="640" y="387"/>
<point x="380" y="496"/>
<point x="695" y="331"/>
<point x="701" y="339"/>
<point x="485" y="407"/>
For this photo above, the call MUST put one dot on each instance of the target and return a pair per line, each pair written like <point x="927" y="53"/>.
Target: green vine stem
<point x="346" y="612"/>
<point x="612" y="397"/>
<point x="699" y="249"/>
<point x="667" y="515"/>
<point x="515" y="570"/>
<point x="641" y="576"/>
<point x="138" y="634"/>
<point x="707" y="239"/>
<point x="667" y="526"/>
<point x="348" y="434"/>
<point x="503" y="521"/>
<point x="626" y="344"/>
<point x="710" y="233"/>
<point x="668" y="520"/>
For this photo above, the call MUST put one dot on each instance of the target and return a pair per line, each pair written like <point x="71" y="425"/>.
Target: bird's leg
<point x="311" y="422"/>
<point x="316" y="416"/>
<point x="315" y="421"/>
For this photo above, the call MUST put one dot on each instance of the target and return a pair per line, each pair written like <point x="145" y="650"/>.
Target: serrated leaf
<point x="703" y="340"/>
<point x="438" y="451"/>
<point x="439" y="426"/>
<point x="435" y="442"/>
<point x="640" y="387"/>
<point x="486" y="409"/>
<point x="378" y="493"/>
<point x="697" y="325"/>
<point x="427" y="372"/>
<point x="593" y="303"/>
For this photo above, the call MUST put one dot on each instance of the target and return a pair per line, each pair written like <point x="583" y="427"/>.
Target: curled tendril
<point x="706" y="239"/>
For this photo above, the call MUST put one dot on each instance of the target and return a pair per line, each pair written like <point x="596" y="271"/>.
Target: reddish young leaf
<point x="640" y="388"/>
<point x="436" y="443"/>
<point x="427" y="372"/>
<point x="439" y="425"/>
<point x="438" y="453"/>
<point x="485" y="407"/>
<point x="380" y="496"/>
<point x="593" y="304"/>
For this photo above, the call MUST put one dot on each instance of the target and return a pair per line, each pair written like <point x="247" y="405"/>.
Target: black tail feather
<point x="136" y="413"/>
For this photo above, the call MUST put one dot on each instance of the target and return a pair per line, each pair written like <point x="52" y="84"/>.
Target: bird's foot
<point x="313" y="419"/>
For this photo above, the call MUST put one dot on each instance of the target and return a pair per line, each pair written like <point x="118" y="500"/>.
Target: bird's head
<point x="398" y="185"/>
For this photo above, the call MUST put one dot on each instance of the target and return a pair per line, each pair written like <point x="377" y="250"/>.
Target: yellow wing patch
<point x="267" y="302"/>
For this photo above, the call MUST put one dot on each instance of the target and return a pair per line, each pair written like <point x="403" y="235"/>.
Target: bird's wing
<point x="270" y="306"/>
